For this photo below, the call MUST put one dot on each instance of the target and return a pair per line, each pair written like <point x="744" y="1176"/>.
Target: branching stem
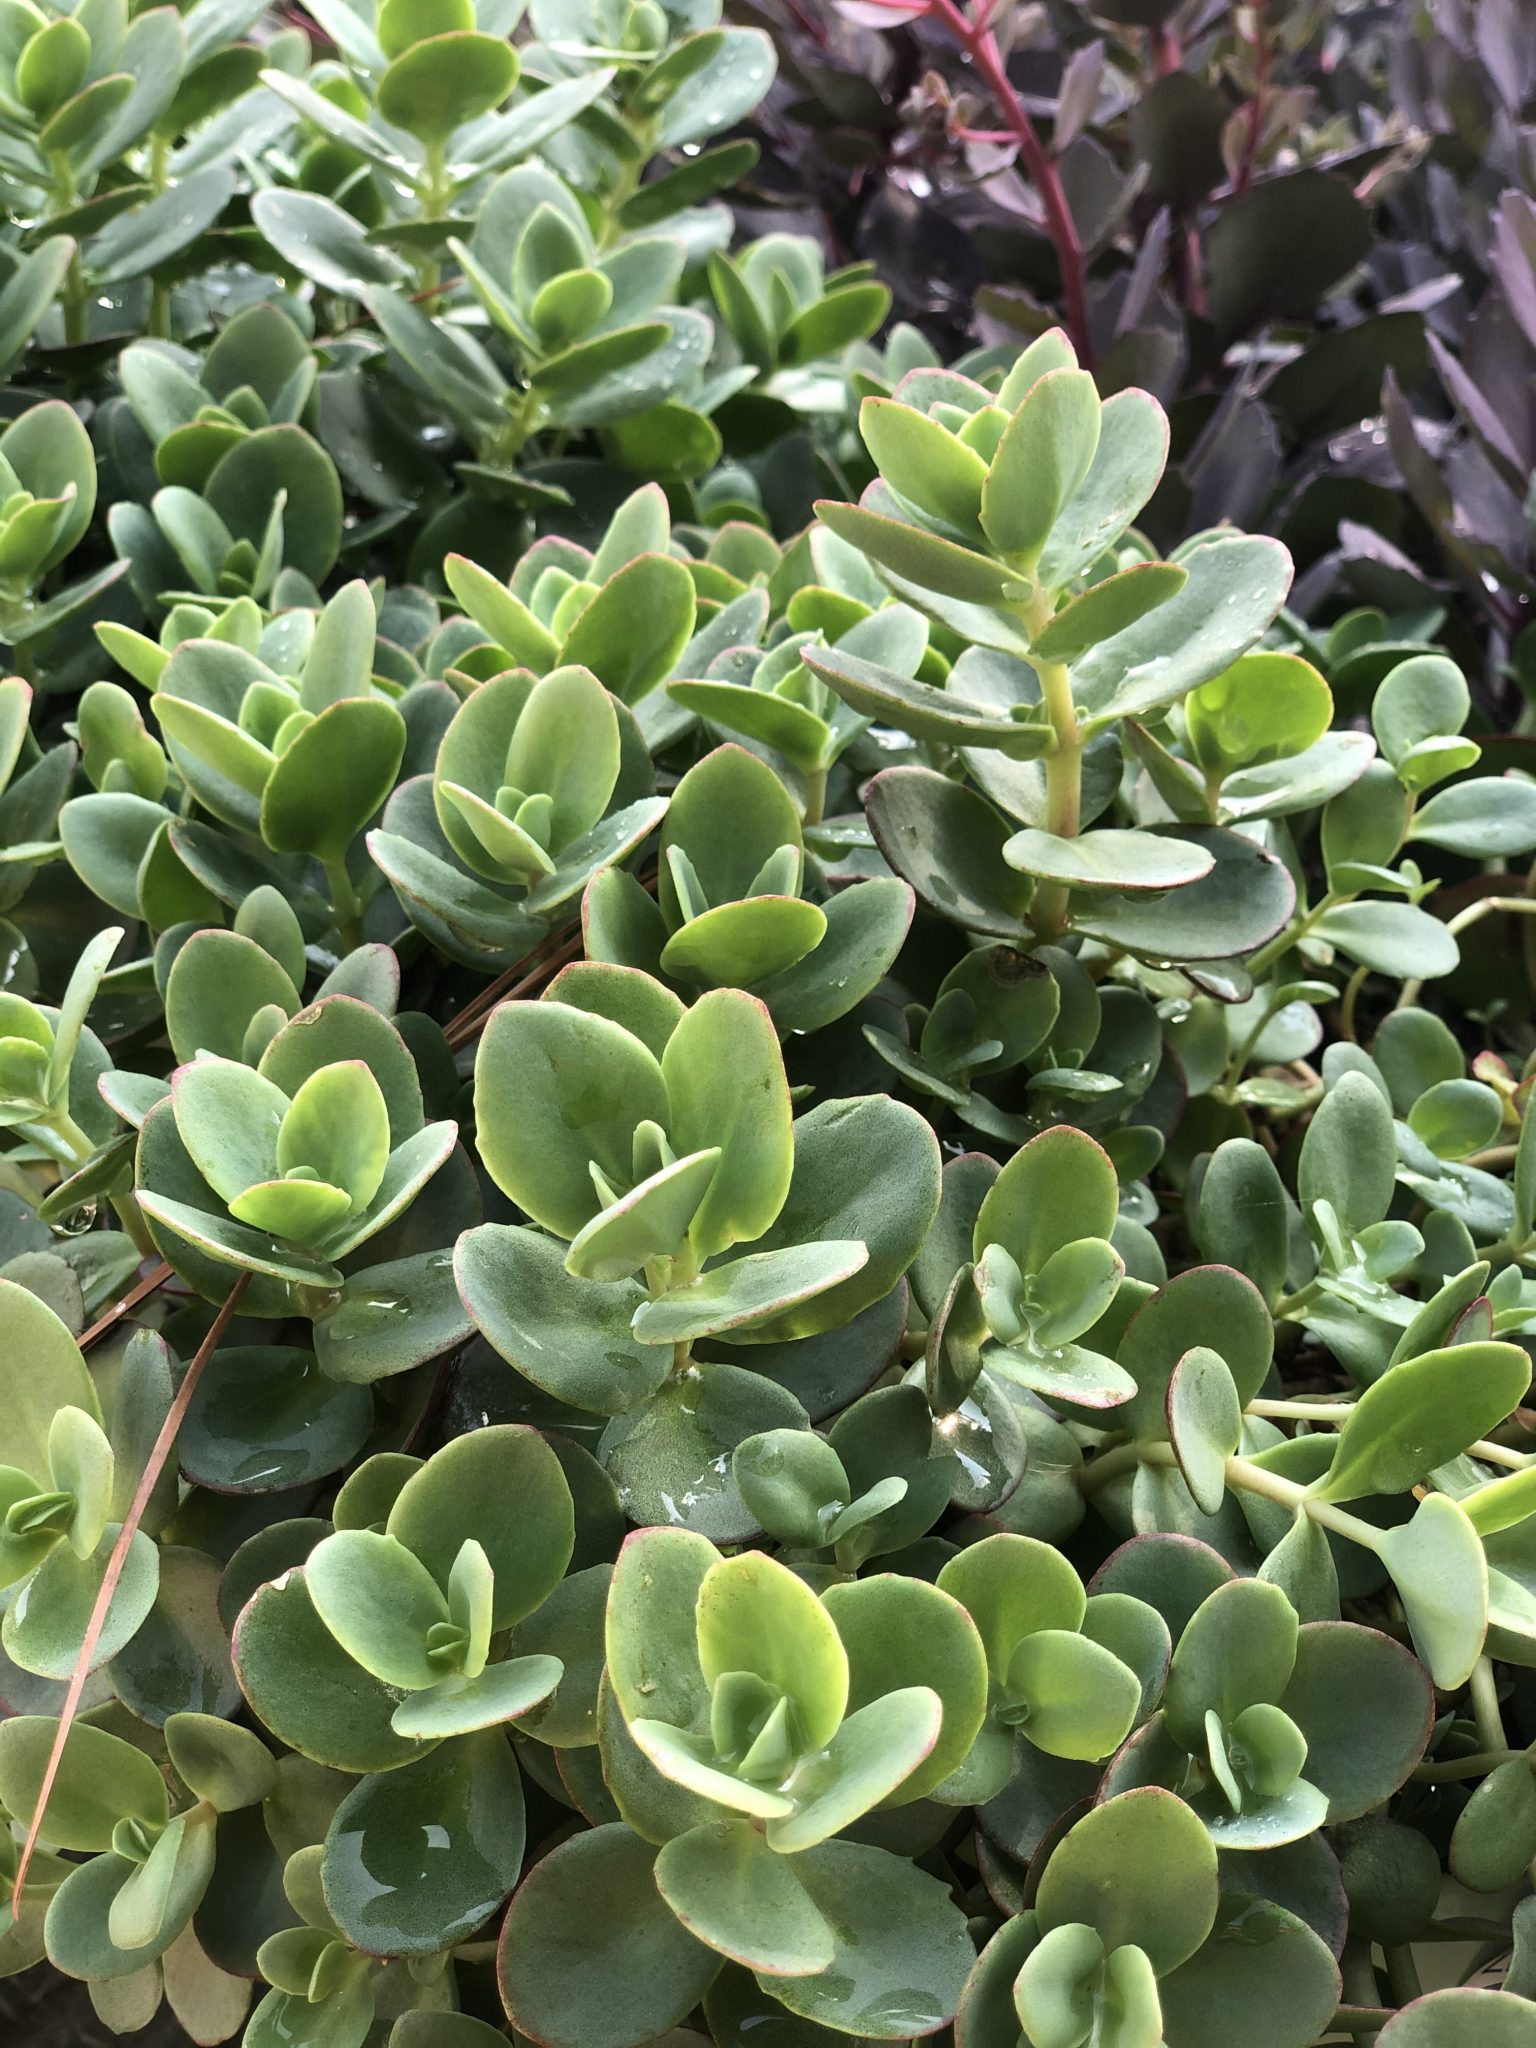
<point x="977" y="39"/>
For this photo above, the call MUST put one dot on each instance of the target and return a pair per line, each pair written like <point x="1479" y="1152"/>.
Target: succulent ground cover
<point x="768" y="1208"/>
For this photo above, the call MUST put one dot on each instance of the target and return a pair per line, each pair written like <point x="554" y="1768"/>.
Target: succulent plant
<point x="769" y="1192"/>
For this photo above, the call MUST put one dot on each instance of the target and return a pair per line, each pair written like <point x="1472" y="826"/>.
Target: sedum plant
<point x="648" y="1143"/>
<point x="912" y="1221"/>
<point x="314" y="1171"/>
<point x="49" y="483"/>
<point x="768" y="1198"/>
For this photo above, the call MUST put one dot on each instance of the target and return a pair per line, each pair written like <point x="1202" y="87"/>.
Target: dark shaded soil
<point x="42" y="2010"/>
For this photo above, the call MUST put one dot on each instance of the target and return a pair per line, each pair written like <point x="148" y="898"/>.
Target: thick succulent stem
<point x="346" y="903"/>
<point x="1063" y="767"/>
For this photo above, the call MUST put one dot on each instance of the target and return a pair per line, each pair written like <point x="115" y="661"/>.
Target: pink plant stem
<point x="509" y="988"/>
<point x="1255" y="130"/>
<point x="165" y="1443"/>
<point x="110" y="1318"/>
<point x="807" y="23"/>
<point x="980" y="45"/>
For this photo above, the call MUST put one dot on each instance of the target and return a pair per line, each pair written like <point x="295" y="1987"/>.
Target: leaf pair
<point x="756" y="1716"/>
<point x="524" y="773"/>
<point x="476" y="1540"/>
<point x="1248" y="1726"/>
<point x="1058" y="1679"/>
<point x="1046" y="1271"/>
<point x="631" y="1138"/>
<point x="625" y="613"/>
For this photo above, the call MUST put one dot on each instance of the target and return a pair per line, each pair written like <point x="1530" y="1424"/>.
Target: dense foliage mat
<point x="768" y="1223"/>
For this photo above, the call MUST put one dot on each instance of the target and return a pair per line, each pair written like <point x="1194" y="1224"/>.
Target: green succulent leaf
<point x="1139" y="1870"/>
<point x="101" y="1781"/>
<point x="1421" y="1414"/>
<point x="728" y="1887"/>
<point x="1441" y="1574"/>
<point x="903" y="1949"/>
<point x="591" y="1954"/>
<point x="389" y="1899"/>
<point x="1459" y="2018"/>
<point x="380" y="1603"/>
<point x="503" y="1488"/>
<point x="47" y="1375"/>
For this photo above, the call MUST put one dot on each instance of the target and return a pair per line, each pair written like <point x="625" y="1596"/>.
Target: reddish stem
<point x="1255" y="130"/>
<point x="980" y="45"/>
<point x="807" y="23"/>
<point x="151" y="1282"/>
<point x="461" y="1028"/>
<point x="165" y="1443"/>
<point x="538" y="966"/>
<point x="473" y="1019"/>
<point x="1189" y="279"/>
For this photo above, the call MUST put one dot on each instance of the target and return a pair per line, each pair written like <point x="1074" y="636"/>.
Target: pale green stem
<point x="1486" y="1717"/>
<point x="435" y="189"/>
<point x="1227" y="1091"/>
<point x="1499" y="1454"/>
<point x="1352" y="990"/>
<point x="78" y="1148"/>
<point x="1063" y="766"/>
<point x="1265" y="958"/>
<point x="1457" y="1768"/>
<point x="74" y="297"/>
<point x="79" y="1144"/>
<point x="346" y="903"/>
<point x="1485" y="906"/>
<point x="1340" y="1412"/>
<point x="1495" y="1159"/>
<point x="1288" y="1493"/>
<point x="1402" y="1975"/>
<point x="1240" y="1473"/>
<point x="507" y="443"/>
<point x="662" y="1275"/>
<point x="627" y="182"/>
<point x="1362" y="1991"/>
<point x="1303" y="1411"/>
<point x="1292" y="1304"/>
<point x="159" y="323"/>
<point x="1119" y="1458"/>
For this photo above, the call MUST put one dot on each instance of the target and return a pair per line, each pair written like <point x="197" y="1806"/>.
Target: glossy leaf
<point x="1422" y="1413"/>
<point x="591" y="1956"/>
<point x="730" y="1889"/>
<point x="392" y="1892"/>
<point x="1139" y="1869"/>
